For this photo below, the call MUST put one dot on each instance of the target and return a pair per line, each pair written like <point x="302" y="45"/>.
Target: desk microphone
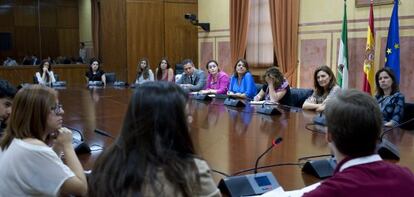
<point x="274" y="143"/>
<point x="104" y="133"/>
<point x="251" y="184"/>
<point x="385" y="148"/>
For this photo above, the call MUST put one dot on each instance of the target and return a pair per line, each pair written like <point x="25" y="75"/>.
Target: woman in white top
<point x="45" y="75"/>
<point x="28" y="166"/>
<point x="144" y="72"/>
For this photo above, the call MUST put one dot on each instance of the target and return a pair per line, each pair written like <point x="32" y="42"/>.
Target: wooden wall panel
<point x="67" y="17"/>
<point x="113" y="37"/>
<point x="27" y="41"/>
<point x="181" y="38"/>
<point x="50" y="42"/>
<point x="145" y="34"/>
<point x="73" y="74"/>
<point x="41" y="27"/>
<point x="7" y="3"/>
<point x="25" y="16"/>
<point x="6" y="16"/>
<point x="48" y="14"/>
<point x="68" y="42"/>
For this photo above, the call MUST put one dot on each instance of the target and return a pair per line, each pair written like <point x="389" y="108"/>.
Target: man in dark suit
<point x="7" y="92"/>
<point x="192" y="79"/>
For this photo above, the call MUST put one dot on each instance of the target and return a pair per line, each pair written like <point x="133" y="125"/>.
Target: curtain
<point x="96" y="27"/>
<point x="239" y="17"/>
<point x="284" y="17"/>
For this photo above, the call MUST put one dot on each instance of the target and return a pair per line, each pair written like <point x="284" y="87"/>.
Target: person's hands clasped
<point x="64" y="138"/>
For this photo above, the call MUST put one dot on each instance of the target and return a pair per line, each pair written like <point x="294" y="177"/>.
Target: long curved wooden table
<point x="229" y="139"/>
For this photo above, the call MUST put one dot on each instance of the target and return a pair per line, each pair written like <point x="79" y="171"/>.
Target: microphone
<point x="104" y="133"/>
<point x="385" y="148"/>
<point x="274" y="143"/>
<point x="251" y="184"/>
<point x="78" y="142"/>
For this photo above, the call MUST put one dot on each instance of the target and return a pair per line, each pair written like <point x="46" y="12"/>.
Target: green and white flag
<point x="343" y="54"/>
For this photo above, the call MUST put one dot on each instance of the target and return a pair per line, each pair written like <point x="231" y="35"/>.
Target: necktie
<point x="191" y="79"/>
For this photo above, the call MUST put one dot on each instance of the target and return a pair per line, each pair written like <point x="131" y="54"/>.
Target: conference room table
<point x="230" y="139"/>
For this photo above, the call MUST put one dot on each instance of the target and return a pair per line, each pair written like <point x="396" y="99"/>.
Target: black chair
<point x="408" y="114"/>
<point x="179" y="68"/>
<point x="259" y="86"/>
<point x="110" y="78"/>
<point x="299" y="95"/>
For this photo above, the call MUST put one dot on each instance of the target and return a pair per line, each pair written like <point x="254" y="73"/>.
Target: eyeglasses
<point x="58" y="108"/>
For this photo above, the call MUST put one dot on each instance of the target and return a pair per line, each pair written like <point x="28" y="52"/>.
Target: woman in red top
<point x="164" y="71"/>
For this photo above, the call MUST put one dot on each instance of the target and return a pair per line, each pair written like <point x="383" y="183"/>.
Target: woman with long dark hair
<point x="28" y="166"/>
<point x="45" y="75"/>
<point x="95" y="72"/>
<point x="144" y="73"/>
<point x="389" y="98"/>
<point x="324" y="82"/>
<point x="154" y="154"/>
<point x="164" y="71"/>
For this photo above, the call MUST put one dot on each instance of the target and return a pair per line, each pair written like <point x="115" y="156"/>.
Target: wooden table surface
<point x="229" y="139"/>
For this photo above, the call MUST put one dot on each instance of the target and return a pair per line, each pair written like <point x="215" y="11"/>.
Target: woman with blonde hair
<point x="144" y="73"/>
<point x="28" y="166"/>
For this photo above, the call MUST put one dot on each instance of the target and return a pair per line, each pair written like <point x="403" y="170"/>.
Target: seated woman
<point x="95" y="73"/>
<point x="276" y="89"/>
<point x="217" y="81"/>
<point x="28" y="166"/>
<point x="144" y="73"/>
<point x="325" y="88"/>
<point x="164" y="71"/>
<point x="242" y="83"/>
<point x="154" y="154"/>
<point x="45" y="75"/>
<point x="390" y="100"/>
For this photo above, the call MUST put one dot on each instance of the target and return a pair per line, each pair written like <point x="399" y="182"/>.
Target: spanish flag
<point x="369" y="69"/>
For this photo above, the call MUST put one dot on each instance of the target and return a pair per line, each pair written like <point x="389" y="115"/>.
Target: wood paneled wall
<point x="73" y="74"/>
<point x="41" y="27"/>
<point x="112" y="32"/>
<point x="132" y="29"/>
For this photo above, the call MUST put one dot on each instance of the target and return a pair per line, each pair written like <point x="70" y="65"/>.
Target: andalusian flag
<point x="369" y="76"/>
<point x="343" y="54"/>
<point x="392" y="52"/>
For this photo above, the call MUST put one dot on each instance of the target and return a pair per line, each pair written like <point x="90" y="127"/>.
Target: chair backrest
<point x="299" y="95"/>
<point x="110" y="78"/>
<point x="408" y="114"/>
<point x="179" y="68"/>
<point x="259" y="86"/>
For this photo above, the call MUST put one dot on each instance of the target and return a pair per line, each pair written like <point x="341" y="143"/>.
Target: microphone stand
<point x="385" y="148"/>
<point x="274" y="143"/>
<point x="250" y="184"/>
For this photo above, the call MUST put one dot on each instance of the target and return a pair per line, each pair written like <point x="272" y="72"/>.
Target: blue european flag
<point x="392" y="52"/>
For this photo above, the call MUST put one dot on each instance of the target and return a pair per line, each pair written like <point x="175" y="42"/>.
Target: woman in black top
<point x="95" y="73"/>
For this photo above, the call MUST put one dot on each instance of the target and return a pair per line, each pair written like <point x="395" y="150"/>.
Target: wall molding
<point x="352" y="21"/>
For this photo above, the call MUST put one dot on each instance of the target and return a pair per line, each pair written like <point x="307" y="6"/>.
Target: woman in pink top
<point x="217" y="81"/>
<point x="164" y="71"/>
